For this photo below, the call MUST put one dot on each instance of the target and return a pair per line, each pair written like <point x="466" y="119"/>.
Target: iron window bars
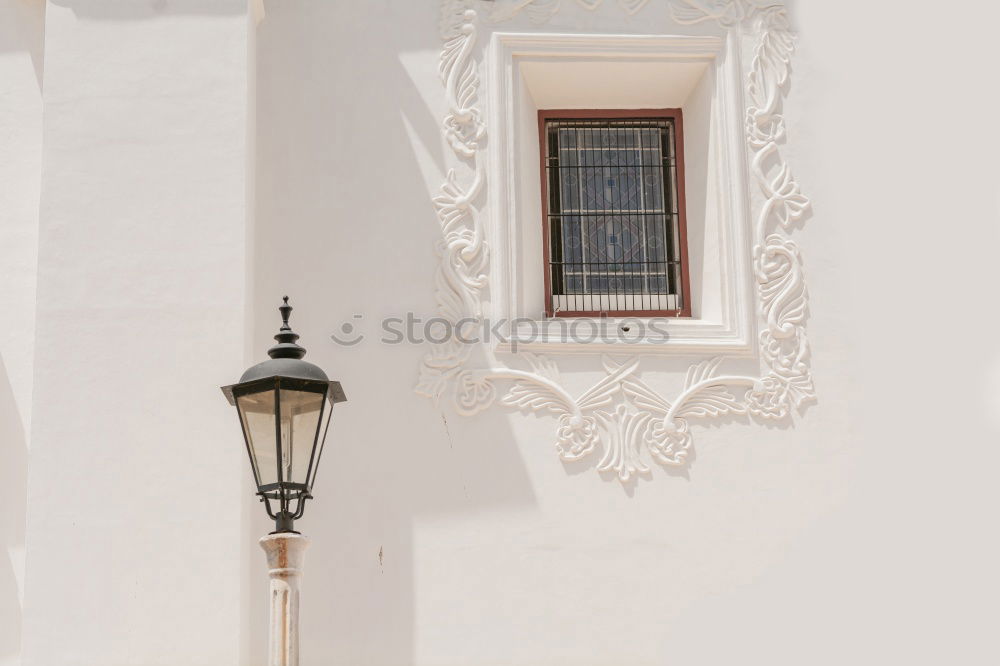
<point x="613" y="209"/>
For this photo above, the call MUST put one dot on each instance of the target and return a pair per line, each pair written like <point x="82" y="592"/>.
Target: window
<point x="613" y="212"/>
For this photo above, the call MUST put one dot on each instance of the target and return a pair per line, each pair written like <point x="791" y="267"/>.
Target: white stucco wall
<point x="440" y="539"/>
<point x="446" y="540"/>
<point x="134" y="514"/>
<point x="190" y="177"/>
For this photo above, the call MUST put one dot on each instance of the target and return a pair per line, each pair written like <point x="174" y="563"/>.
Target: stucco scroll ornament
<point x="777" y="264"/>
<point x="620" y="416"/>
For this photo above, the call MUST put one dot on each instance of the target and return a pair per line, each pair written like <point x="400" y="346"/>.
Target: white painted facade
<point x="170" y="168"/>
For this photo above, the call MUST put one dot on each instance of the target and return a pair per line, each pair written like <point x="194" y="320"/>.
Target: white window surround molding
<point x="621" y="420"/>
<point x="513" y="208"/>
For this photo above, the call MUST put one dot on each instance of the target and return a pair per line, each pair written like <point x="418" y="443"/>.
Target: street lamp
<point x="284" y="405"/>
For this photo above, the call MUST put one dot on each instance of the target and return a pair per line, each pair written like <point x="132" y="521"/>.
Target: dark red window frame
<point x="598" y="114"/>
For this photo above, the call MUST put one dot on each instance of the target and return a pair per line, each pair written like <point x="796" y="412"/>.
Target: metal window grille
<point x="613" y="216"/>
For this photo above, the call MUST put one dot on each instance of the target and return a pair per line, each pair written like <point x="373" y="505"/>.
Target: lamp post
<point x="284" y="405"/>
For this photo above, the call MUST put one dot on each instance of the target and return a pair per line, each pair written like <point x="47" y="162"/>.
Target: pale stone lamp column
<point x="284" y="406"/>
<point x="285" y="554"/>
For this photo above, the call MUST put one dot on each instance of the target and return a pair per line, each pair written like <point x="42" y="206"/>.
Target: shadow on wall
<point x="345" y="224"/>
<point x="13" y="499"/>
<point x="21" y="35"/>
<point x="22" y="28"/>
<point x="116" y="10"/>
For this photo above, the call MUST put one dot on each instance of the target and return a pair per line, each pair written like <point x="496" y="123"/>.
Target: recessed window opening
<point x="613" y="209"/>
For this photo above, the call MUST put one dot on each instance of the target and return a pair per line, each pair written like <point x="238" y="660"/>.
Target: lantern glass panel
<point x="324" y="427"/>
<point x="257" y="413"/>
<point x="300" y="414"/>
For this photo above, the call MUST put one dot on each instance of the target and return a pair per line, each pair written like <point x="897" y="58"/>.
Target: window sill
<point x="668" y="336"/>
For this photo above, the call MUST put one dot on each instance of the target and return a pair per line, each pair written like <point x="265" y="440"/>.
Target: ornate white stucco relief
<point x="620" y="419"/>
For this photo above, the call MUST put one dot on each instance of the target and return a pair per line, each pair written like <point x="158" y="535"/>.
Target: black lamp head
<point x="284" y="404"/>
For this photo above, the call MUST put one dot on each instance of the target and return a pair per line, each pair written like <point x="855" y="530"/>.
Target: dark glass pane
<point x="612" y="213"/>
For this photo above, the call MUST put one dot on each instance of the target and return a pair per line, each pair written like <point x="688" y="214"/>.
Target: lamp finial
<point x="286" y="337"/>
<point x="285" y="311"/>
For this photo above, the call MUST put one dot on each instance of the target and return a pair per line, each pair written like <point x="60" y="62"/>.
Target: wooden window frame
<point x="676" y="116"/>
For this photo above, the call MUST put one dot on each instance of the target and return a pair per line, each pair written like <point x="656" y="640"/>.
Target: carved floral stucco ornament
<point x="620" y="417"/>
